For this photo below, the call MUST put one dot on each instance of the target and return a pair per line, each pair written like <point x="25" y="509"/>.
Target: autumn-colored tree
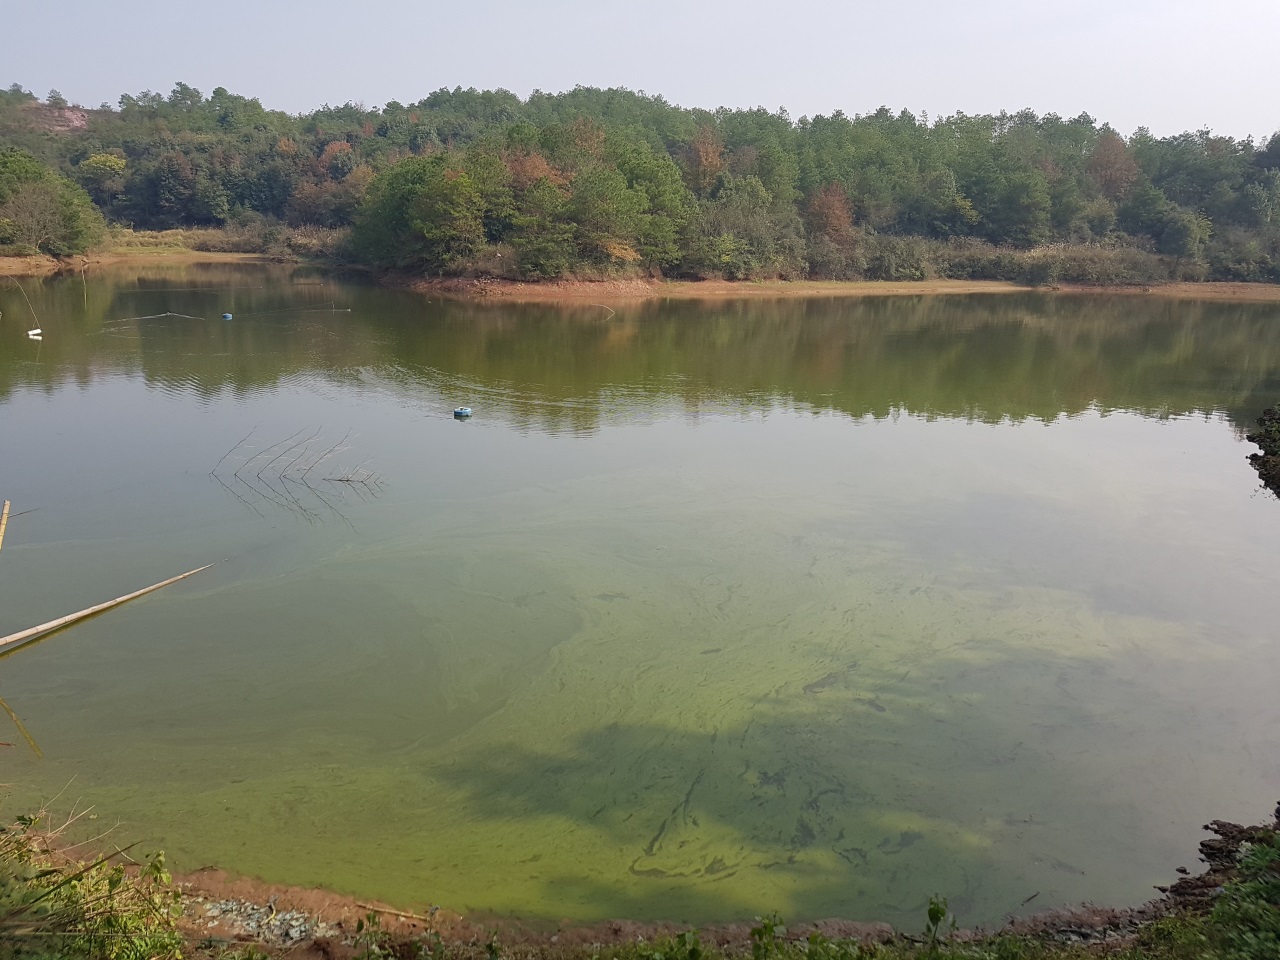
<point x="527" y="167"/>
<point x="1112" y="166"/>
<point x="828" y="214"/>
<point x="329" y="203"/>
<point x="337" y="159"/>
<point x="704" y="161"/>
<point x="832" y="237"/>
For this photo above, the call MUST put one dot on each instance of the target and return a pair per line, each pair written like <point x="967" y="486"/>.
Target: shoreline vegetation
<point x="55" y="903"/>
<point x="213" y="246"/>
<point x="617" y="186"/>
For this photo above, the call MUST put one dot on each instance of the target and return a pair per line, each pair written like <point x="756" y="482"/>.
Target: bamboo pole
<point x="23" y="635"/>
<point x="22" y="728"/>
<point x="394" y="913"/>
<point x="4" y="521"/>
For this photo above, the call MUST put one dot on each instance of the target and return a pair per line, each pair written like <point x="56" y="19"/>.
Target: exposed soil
<point x="36" y="266"/>
<point x="52" y="119"/>
<point x="1236" y="292"/>
<point x="471" y="288"/>
<point x="608" y="292"/>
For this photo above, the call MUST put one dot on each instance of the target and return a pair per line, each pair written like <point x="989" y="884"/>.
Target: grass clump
<point x="52" y="905"/>
<point x="251" y="236"/>
<point x="1245" y="923"/>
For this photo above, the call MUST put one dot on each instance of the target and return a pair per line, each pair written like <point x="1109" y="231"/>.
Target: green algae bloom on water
<point x="815" y="606"/>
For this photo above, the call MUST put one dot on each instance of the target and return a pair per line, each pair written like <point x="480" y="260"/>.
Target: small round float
<point x="461" y="413"/>
<point x="226" y="316"/>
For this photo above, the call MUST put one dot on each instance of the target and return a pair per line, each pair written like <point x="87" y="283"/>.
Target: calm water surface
<point x="818" y="606"/>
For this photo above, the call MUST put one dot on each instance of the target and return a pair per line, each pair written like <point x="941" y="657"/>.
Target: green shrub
<point x="52" y="906"/>
<point x="42" y="211"/>
<point x="1245" y="923"/>
<point x="897" y="258"/>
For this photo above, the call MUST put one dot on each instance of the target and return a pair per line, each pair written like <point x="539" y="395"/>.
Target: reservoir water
<point x="711" y="609"/>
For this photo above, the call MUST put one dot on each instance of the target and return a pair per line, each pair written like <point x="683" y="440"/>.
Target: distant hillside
<point x="603" y="182"/>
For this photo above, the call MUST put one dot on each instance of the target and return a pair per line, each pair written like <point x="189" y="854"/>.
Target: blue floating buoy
<point x="462" y="413"/>
<point x="226" y="316"/>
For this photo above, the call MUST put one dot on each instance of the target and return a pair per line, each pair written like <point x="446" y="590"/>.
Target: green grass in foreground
<point x="53" y="906"/>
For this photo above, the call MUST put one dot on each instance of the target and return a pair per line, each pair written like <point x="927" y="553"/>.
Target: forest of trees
<point x="611" y="182"/>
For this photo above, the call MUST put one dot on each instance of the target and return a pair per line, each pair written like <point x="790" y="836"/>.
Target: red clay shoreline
<point x="210" y="896"/>
<point x="338" y="917"/>
<point x="631" y="290"/>
<point x="341" y="913"/>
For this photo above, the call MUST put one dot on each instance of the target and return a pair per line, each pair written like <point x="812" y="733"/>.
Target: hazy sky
<point x="1171" y="65"/>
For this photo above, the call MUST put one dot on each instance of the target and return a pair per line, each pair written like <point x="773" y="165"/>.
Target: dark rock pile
<point x="1267" y="436"/>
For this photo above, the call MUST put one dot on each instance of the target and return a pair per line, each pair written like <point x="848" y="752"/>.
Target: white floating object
<point x="35" y="334"/>
<point x="462" y="413"/>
